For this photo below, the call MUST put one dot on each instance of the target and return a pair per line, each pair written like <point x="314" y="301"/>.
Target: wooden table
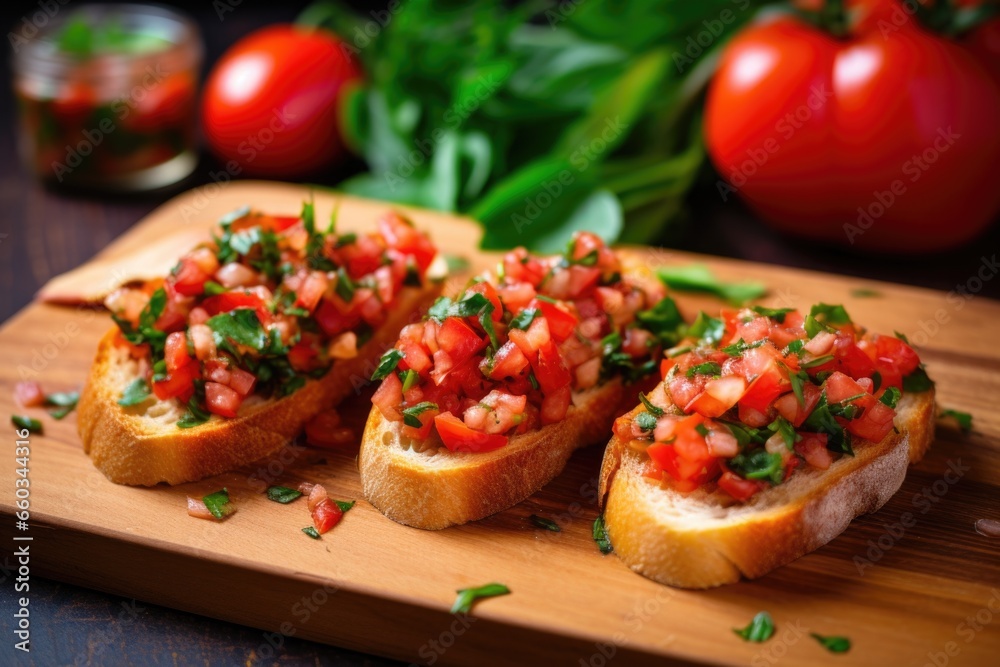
<point x="43" y="233"/>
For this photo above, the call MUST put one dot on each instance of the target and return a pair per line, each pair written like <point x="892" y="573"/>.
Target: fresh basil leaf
<point x="902" y="336"/>
<point x="218" y="504"/>
<point x="646" y="421"/>
<point x="439" y="310"/>
<point x="345" y="288"/>
<point x="759" y="464"/>
<point x="600" y="535"/>
<point x="784" y="427"/>
<point x="798" y="380"/>
<point x="387" y="363"/>
<point x="26" y="422"/>
<point x="662" y="320"/>
<point x="739" y="347"/>
<point x="240" y="326"/>
<point x="746" y="435"/>
<point x="345" y="505"/>
<point x="524" y="319"/>
<point x="821" y="420"/>
<point x="469" y="306"/>
<point x="833" y="644"/>
<point x="467" y="596"/>
<point x="136" y="392"/>
<point x="213" y="288"/>
<point x="409" y="377"/>
<point x="776" y="314"/>
<point x="964" y="419"/>
<point x="654" y="410"/>
<point x="828" y="314"/>
<point x="891" y="397"/>
<point x="311" y="532"/>
<point x="917" y="381"/>
<point x="707" y="368"/>
<point x="795" y="347"/>
<point x="707" y="330"/>
<point x="66" y="402"/>
<point x="699" y="278"/>
<point x="282" y="494"/>
<point x="814" y="326"/>
<point x="411" y="414"/>
<point x="545" y="524"/>
<point x="702" y="430"/>
<point x="818" y="361"/>
<point x="760" y="629"/>
<point x="346" y="240"/>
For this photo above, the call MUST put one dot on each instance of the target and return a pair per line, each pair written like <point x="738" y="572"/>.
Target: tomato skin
<point x="739" y="488"/>
<point x="459" y="340"/>
<point x="178" y="384"/>
<point x="458" y="437"/>
<point x="222" y="400"/>
<point x="175" y="351"/>
<point x="832" y="135"/>
<point x="282" y="83"/>
<point x="326" y="515"/>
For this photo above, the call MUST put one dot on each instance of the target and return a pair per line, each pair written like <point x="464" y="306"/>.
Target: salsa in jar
<point x="106" y="98"/>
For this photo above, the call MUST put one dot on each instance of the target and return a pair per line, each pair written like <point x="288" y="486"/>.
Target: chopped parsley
<point x="759" y="464"/>
<point x="964" y="419"/>
<point x="662" y="320"/>
<point x="467" y="596"/>
<point x="918" y="381"/>
<point x="218" y="504"/>
<point x="699" y="278"/>
<point x="26" y="422"/>
<point x="654" y="410"/>
<point x="524" y="319"/>
<point x="65" y="403"/>
<point x="891" y="397"/>
<point x="833" y="644"/>
<point x="776" y="314"/>
<point x="411" y="415"/>
<point x="760" y="629"/>
<point x="645" y="421"/>
<point x="136" y="392"/>
<point x="311" y="532"/>
<point x="600" y="535"/>
<point x="821" y="420"/>
<point x="387" y="363"/>
<point x="545" y="524"/>
<point x="282" y="494"/>
<point x="707" y="368"/>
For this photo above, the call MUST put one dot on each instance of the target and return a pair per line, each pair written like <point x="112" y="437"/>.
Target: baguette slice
<point x="141" y="445"/>
<point x="705" y="539"/>
<point x="425" y="485"/>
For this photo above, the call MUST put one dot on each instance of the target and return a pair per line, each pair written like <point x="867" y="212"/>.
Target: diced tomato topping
<point x="176" y="351"/>
<point x="222" y="400"/>
<point x="179" y="383"/>
<point x="242" y="381"/>
<point x="459" y="340"/>
<point x="812" y="447"/>
<point x="739" y="488"/>
<point x="189" y="279"/>
<point x="388" y="397"/>
<point x="509" y="361"/>
<point x="458" y="437"/>
<point x="326" y="515"/>
<point x="561" y="323"/>
<point x="325" y="430"/>
<point x="29" y="394"/>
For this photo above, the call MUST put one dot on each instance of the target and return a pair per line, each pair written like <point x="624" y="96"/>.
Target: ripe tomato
<point x="884" y="140"/>
<point x="458" y="437"/>
<point x="271" y="102"/>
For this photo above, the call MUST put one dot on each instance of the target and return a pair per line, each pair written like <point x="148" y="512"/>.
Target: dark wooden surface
<point x="43" y="233"/>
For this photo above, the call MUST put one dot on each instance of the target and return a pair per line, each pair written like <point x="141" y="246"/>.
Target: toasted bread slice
<point x="427" y="486"/>
<point x="704" y="538"/>
<point x="141" y="445"/>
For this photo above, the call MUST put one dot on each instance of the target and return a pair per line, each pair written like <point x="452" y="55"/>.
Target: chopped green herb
<point x="784" y="428"/>
<point x="411" y="414"/>
<point x="655" y="410"/>
<point x="409" y="378"/>
<point x="196" y="414"/>
<point x="387" y="363"/>
<point x="746" y="435"/>
<point x="213" y="288"/>
<point x="600" y="534"/>
<point x="818" y="361"/>
<point x="533" y="380"/>
<point x="706" y="329"/>
<point x="439" y="309"/>
<point x="546" y="524"/>
<point x="282" y="494"/>
<point x="865" y="293"/>
<point x="311" y="532"/>
<point x="136" y="392"/>
<point x="240" y="326"/>
<point x="902" y="336"/>
<point x="876" y="381"/>
<point x="821" y="420"/>
<point x="662" y="320"/>
<point x="833" y="644"/>
<point x="759" y="464"/>
<point x="26" y="422"/>
<point x="345" y="505"/>
<point x="798" y="380"/>
<point x="218" y="504"/>
<point x="524" y="319"/>
<point x="761" y="628"/>
<point x="918" y="381"/>
<point x="699" y="278"/>
<point x="645" y="421"/>
<point x="346" y="239"/>
<point x="702" y="430"/>
<point x="456" y="263"/>
<point x="739" y="347"/>
<point x="344" y="288"/>
<point x="891" y="397"/>
<point x="707" y="368"/>
<point x="964" y="419"/>
<point x="776" y="314"/>
<point x="795" y="347"/>
<point x="467" y="596"/>
<point x="65" y="402"/>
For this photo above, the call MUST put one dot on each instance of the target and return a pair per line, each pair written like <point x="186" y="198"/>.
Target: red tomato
<point x="326" y="515"/>
<point x="400" y="234"/>
<point x="458" y="437"/>
<point x="551" y="371"/>
<point x="509" y="361"/>
<point x="271" y="103"/>
<point x="178" y="384"/>
<point x="561" y="322"/>
<point x="241" y="381"/>
<point x="555" y="405"/>
<point x="175" y="351"/>
<point x="884" y="140"/>
<point x="388" y="396"/>
<point x="324" y="430"/>
<point x="189" y="279"/>
<point x="739" y="488"/>
<point x="459" y="340"/>
<point x="222" y="400"/>
<point x="29" y="394"/>
<point x="332" y="320"/>
<point x="223" y="303"/>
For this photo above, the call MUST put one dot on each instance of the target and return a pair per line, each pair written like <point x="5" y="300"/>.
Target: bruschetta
<point x="482" y="403"/>
<point x="770" y="432"/>
<point x="251" y="335"/>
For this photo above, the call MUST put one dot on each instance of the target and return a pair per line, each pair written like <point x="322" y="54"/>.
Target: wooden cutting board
<point x="376" y="586"/>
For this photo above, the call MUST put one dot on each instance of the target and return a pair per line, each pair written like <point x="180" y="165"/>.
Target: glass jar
<point x="107" y="98"/>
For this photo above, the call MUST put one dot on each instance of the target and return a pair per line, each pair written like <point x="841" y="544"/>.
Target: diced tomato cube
<point x="555" y="405"/>
<point x="29" y="394"/>
<point x="508" y="361"/>
<point x="788" y="405"/>
<point x="189" y="279"/>
<point x="175" y="351"/>
<point x="874" y="423"/>
<point x="561" y="323"/>
<point x="242" y="381"/>
<point x="550" y="370"/>
<point x="739" y="488"/>
<point x="812" y="447"/>
<point x="326" y="515"/>
<point x="388" y="397"/>
<point x="334" y="321"/>
<point x="459" y="340"/>
<point x="222" y="400"/>
<point x="458" y="437"/>
<point x="178" y="384"/>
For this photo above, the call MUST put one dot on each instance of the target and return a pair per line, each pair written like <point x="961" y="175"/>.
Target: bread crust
<point x="436" y="488"/>
<point x="697" y="541"/>
<point x="129" y="448"/>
